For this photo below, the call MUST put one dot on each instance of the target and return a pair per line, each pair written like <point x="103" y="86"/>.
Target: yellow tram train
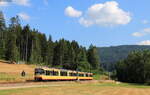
<point x="60" y="74"/>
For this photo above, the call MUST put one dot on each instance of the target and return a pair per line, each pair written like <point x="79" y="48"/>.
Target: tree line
<point x="109" y="56"/>
<point x="135" y="68"/>
<point x="19" y="43"/>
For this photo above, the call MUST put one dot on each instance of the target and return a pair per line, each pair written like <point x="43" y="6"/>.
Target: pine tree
<point x="69" y="57"/>
<point x="50" y="51"/>
<point x="11" y="45"/>
<point x="2" y="36"/>
<point x="56" y="56"/>
<point x="12" y="53"/>
<point x="93" y="57"/>
<point x="24" y="43"/>
<point x="14" y="22"/>
<point x="16" y="28"/>
<point x="43" y="44"/>
<point x="35" y="56"/>
<point x="83" y="62"/>
<point x="2" y="22"/>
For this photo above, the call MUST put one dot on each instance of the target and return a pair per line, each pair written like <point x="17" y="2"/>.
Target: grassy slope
<point x="12" y="72"/>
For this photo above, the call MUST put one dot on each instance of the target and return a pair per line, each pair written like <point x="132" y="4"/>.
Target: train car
<point x="60" y="74"/>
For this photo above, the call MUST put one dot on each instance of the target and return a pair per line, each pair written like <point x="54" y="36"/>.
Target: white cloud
<point x="145" y="21"/>
<point x="3" y="3"/>
<point x="138" y="34"/>
<point x="17" y="2"/>
<point x="147" y="42"/>
<point x="144" y="32"/>
<point x="71" y="12"/>
<point x="106" y="14"/>
<point x="21" y="2"/>
<point x="24" y="16"/>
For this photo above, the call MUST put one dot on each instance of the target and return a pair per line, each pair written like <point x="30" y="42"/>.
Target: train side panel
<point x="44" y="77"/>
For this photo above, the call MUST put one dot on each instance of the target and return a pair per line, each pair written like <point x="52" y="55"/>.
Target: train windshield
<point x="39" y="71"/>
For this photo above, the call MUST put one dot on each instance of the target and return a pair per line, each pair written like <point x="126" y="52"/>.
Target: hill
<point x="110" y="55"/>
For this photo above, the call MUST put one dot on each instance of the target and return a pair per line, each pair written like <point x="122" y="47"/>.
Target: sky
<point x="98" y="22"/>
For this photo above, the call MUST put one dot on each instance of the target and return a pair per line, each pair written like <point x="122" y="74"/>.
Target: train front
<point x="38" y="73"/>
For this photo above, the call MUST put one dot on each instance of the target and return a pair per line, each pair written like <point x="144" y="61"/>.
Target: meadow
<point x="12" y="72"/>
<point x="81" y="88"/>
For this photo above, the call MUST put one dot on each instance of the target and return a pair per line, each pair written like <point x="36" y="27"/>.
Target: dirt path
<point x="41" y="84"/>
<point x="32" y="85"/>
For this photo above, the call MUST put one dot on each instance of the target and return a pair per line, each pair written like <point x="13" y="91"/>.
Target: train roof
<point x="56" y="69"/>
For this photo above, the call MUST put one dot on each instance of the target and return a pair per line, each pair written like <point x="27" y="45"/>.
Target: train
<point x="53" y="74"/>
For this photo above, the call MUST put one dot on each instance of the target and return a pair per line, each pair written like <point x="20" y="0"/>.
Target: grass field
<point x="82" y="89"/>
<point x="12" y="72"/>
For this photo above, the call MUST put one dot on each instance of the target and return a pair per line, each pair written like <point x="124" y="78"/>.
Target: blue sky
<point x="104" y="22"/>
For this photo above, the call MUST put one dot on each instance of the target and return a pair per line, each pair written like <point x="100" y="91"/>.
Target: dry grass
<point x="81" y="89"/>
<point x="12" y="72"/>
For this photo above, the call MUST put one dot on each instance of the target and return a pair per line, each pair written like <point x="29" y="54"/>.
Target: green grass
<point x="96" y="77"/>
<point x="100" y="77"/>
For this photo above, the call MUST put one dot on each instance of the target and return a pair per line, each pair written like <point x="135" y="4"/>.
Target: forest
<point x="135" y="68"/>
<point x="128" y="63"/>
<point x="22" y="44"/>
<point x="109" y="56"/>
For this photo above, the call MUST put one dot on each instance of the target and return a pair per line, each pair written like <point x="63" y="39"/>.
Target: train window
<point x="87" y="75"/>
<point x="81" y="75"/>
<point x="72" y="74"/>
<point x="39" y="71"/>
<point x="63" y="73"/>
<point x="91" y="75"/>
<point x="55" y="73"/>
<point x="51" y="73"/>
<point x="48" y="73"/>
